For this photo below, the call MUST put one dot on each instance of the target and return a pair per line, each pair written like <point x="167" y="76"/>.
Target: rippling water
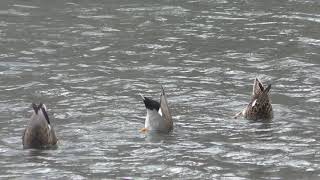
<point x="89" y="60"/>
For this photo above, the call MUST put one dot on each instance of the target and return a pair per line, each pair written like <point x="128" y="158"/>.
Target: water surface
<point x="89" y="60"/>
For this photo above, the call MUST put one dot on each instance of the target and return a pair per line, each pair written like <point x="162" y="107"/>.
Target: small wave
<point x="13" y="12"/>
<point x="99" y="48"/>
<point x="25" y="6"/>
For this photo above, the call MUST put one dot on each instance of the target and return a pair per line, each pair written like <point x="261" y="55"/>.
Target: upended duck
<point x="158" y="117"/>
<point x="39" y="133"/>
<point x="260" y="107"/>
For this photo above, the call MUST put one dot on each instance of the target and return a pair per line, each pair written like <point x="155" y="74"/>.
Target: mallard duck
<point x="158" y="114"/>
<point x="260" y="105"/>
<point x="39" y="132"/>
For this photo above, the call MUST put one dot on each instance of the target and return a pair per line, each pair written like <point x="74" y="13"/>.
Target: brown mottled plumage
<point x="39" y="133"/>
<point x="260" y="105"/>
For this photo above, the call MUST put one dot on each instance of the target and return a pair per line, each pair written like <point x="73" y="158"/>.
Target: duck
<point x="158" y="118"/>
<point x="260" y="107"/>
<point x="39" y="133"/>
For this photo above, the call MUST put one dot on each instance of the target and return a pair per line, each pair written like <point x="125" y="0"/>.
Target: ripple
<point x="93" y="33"/>
<point x="96" y="17"/>
<point x="310" y="41"/>
<point x="13" y="12"/>
<point x="25" y="6"/>
<point x="152" y="46"/>
<point x="162" y="10"/>
<point x="312" y="19"/>
<point x="109" y="29"/>
<point x="44" y="50"/>
<point x="99" y="48"/>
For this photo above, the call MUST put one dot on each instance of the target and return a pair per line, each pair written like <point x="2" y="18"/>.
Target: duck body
<point x="39" y="133"/>
<point x="158" y="116"/>
<point x="260" y="107"/>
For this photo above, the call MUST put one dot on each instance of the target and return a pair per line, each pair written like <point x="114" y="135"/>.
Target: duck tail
<point x="43" y="109"/>
<point x="162" y="90"/>
<point x="143" y="98"/>
<point x="257" y="87"/>
<point x="35" y="108"/>
<point x="267" y="89"/>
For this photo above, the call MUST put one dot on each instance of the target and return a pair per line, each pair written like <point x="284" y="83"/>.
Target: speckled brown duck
<point x="39" y="133"/>
<point x="158" y="114"/>
<point x="260" y="107"/>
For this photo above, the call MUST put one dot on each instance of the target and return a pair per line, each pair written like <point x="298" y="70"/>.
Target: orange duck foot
<point x="144" y="130"/>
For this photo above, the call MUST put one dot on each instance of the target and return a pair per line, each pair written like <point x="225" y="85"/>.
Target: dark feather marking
<point x="260" y="86"/>
<point x="44" y="112"/>
<point x="162" y="90"/>
<point x="35" y="108"/>
<point x="268" y="88"/>
<point x="45" y="115"/>
<point x="40" y="105"/>
<point x="151" y="104"/>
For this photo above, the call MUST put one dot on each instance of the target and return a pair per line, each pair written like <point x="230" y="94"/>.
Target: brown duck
<point x="260" y="107"/>
<point x="39" y="133"/>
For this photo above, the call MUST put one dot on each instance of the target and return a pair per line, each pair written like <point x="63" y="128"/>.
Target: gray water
<point x="89" y="60"/>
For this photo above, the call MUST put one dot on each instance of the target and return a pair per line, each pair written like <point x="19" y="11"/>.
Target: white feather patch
<point x="45" y="107"/>
<point x="160" y="112"/>
<point x="254" y="102"/>
<point x="153" y="119"/>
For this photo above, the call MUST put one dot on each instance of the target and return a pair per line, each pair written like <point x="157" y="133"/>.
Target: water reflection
<point x="34" y="154"/>
<point x="265" y="131"/>
<point x="156" y="137"/>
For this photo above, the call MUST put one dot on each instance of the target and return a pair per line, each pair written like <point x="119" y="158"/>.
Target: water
<point x="89" y="60"/>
